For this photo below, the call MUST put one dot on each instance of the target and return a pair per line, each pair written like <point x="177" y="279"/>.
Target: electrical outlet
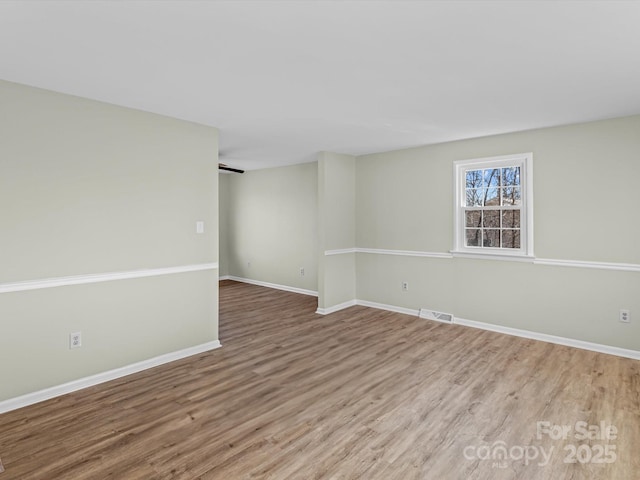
<point x="625" y="316"/>
<point x="405" y="286"/>
<point x="302" y="272"/>
<point x="199" y="226"/>
<point x="75" y="340"/>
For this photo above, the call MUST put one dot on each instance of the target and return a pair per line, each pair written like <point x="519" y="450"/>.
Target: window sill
<point x="493" y="256"/>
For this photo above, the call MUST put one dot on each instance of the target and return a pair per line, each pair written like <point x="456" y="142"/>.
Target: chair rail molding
<point x="101" y="277"/>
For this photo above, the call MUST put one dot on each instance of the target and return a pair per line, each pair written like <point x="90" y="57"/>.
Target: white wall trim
<point x="628" y="267"/>
<point x="404" y="253"/>
<point x="340" y="251"/>
<point x="382" y="251"/>
<point x="569" y="342"/>
<point x="493" y="256"/>
<point x="274" y="285"/>
<point x="543" y="337"/>
<point x="101" y="277"/>
<point x="390" y="308"/>
<point x="336" y="308"/>
<point x="75" y="385"/>
<point x="224" y="277"/>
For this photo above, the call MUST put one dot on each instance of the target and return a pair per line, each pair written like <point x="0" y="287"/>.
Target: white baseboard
<point x="366" y="303"/>
<point x="274" y="285"/>
<point x="569" y="342"/>
<point x="390" y="308"/>
<point x="75" y="385"/>
<point x="336" y="308"/>
<point x="544" y="337"/>
<point x="224" y="277"/>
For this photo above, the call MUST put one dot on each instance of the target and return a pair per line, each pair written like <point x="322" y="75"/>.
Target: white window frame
<point x="460" y="167"/>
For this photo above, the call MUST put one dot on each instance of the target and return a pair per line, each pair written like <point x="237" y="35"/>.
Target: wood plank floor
<point x="361" y="393"/>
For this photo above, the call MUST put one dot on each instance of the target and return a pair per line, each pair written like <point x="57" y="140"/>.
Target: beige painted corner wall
<point x="336" y="227"/>
<point x="585" y="196"/>
<point x="91" y="188"/>
<point x="273" y="225"/>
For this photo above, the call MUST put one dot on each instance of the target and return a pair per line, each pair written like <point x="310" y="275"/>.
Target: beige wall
<point x="336" y="216"/>
<point x="91" y="188"/>
<point x="584" y="200"/>
<point x="272" y="225"/>
<point x="585" y="196"/>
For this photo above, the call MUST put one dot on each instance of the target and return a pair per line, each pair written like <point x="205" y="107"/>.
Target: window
<point x="493" y="206"/>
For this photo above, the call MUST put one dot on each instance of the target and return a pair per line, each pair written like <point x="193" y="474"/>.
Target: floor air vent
<point x="437" y="316"/>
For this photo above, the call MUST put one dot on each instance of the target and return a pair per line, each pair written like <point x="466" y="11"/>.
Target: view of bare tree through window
<point x="492" y="208"/>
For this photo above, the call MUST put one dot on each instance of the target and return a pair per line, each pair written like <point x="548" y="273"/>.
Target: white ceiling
<point x="283" y="80"/>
